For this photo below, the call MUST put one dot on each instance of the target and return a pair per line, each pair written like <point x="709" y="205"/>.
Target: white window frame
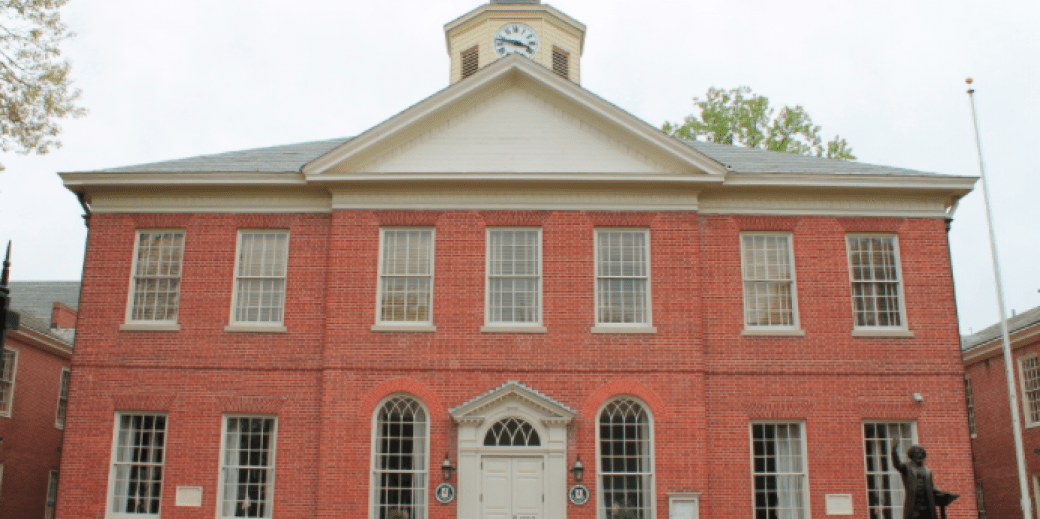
<point x="374" y="484"/>
<point x="795" y="321"/>
<point x="805" y="461"/>
<point x="1026" y="402"/>
<point x="63" y="396"/>
<point x="488" y="323"/>
<point x="651" y="491"/>
<point x="51" y="502"/>
<point x="272" y="459"/>
<point x="8" y="409"/>
<point x="236" y="325"/>
<point x="970" y="404"/>
<point x="893" y="474"/>
<point x="426" y="325"/>
<point x="898" y="261"/>
<point x="129" y="319"/>
<point x="622" y="327"/>
<point x="110" y="498"/>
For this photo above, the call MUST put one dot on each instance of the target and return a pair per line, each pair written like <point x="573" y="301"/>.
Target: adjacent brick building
<point x="989" y="415"/>
<point x="33" y="396"/>
<point x="507" y="277"/>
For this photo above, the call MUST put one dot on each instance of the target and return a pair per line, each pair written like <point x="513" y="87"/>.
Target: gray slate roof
<point x="293" y="157"/>
<point x="1025" y="319"/>
<point x="275" y="159"/>
<point x="34" y="301"/>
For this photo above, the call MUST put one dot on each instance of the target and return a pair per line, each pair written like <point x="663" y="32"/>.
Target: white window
<point x="626" y="460"/>
<point x="406" y="277"/>
<point x="156" y="283"/>
<point x="52" y="495"/>
<point x="247" y="466"/>
<point x="970" y="397"/>
<point x="260" y="271"/>
<point x="138" y="455"/>
<point x="623" y="277"/>
<point x="514" y="276"/>
<point x="876" y="281"/>
<point x="1030" y="374"/>
<point x="769" y="288"/>
<point x="781" y="488"/>
<point x="400" y="459"/>
<point x="63" y="398"/>
<point x="7" y="379"/>
<point x="884" y="483"/>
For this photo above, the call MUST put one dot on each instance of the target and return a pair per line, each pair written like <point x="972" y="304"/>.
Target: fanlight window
<point x="512" y="432"/>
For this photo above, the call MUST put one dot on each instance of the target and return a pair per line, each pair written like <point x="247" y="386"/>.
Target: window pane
<point x="248" y="467"/>
<point x="157" y="273"/>
<point x="260" y="280"/>
<point x="407" y="275"/>
<point x="400" y="463"/>
<point x="624" y="460"/>
<point x="884" y="484"/>
<point x="779" y="470"/>
<point x="875" y="281"/>
<point x="513" y="276"/>
<point x="140" y="442"/>
<point x="1031" y="387"/>
<point x="768" y="280"/>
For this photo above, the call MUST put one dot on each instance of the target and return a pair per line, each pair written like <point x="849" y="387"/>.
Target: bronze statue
<point x="921" y="495"/>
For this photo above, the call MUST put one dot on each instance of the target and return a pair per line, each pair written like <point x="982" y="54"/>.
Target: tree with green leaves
<point x="35" y="88"/>
<point x="739" y="116"/>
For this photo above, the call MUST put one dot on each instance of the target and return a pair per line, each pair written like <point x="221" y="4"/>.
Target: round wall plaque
<point x="445" y="493"/>
<point x="579" y="494"/>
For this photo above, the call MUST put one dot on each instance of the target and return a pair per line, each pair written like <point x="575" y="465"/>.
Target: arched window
<point x="512" y="432"/>
<point x="625" y="461"/>
<point x="400" y="463"/>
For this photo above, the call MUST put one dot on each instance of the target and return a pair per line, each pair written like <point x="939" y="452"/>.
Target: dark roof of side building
<point x="34" y="302"/>
<point x="1023" y="320"/>
<point x="293" y="157"/>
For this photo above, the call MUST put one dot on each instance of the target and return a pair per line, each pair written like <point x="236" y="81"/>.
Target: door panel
<point x="512" y="488"/>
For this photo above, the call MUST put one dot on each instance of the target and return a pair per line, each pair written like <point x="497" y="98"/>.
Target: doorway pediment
<point x="516" y="397"/>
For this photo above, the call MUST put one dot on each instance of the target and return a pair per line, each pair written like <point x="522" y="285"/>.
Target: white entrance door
<point x="512" y="488"/>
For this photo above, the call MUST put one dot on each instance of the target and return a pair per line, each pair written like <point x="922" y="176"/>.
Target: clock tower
<point x="526" y="27"/>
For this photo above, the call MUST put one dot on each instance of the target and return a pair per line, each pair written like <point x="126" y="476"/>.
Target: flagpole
<point x="1020" y="456"/>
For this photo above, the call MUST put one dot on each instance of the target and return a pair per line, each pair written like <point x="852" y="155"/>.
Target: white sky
<point x="165" y="80"/>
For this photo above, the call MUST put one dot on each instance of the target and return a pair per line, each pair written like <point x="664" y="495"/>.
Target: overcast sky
<point x="165" y="80"/>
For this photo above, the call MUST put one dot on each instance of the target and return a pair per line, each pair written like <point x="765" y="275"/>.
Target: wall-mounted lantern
<point x="447" y="467"/>
<point x="578" y="470"/>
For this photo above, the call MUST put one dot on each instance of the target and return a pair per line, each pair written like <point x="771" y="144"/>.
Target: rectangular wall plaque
<point x="839" y="504"/>
<point x="188" y="496"/>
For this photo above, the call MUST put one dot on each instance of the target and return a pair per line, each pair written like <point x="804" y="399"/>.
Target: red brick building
<point x="507" y="277"/>
<point x="989" y="415"/>
<point x="34" y="395"/>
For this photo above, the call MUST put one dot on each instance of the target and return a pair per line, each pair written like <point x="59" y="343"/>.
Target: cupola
<point x="526" y="27"/>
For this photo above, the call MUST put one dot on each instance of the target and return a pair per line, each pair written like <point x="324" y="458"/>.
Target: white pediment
<point x="515" y="131"/>
<point x="518" y="397"/>
<point x="513" y="117"/>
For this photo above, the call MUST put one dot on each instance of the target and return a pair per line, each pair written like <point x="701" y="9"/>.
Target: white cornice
<point x="994" y="347"/>
<point x="960" y="185"/>
<point x="823" y="202"/>
<point x="40" y="340"/>
<point x="80" y="181"/>
<point x="547" y="178"/>
<point x="220" y="200"/>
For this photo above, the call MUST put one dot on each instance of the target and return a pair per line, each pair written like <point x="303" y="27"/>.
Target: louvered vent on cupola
<point x="561" y="62"/>
<point x="470" y="61"/>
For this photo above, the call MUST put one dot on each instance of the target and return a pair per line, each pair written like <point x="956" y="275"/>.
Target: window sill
<point x="241" y="328"/>
<point x="494" y="328"/>
<point x="623" y="329"/>
<point x="882" y="333"/>
<point x="150" y="327"/>
<point x="420" y="328"/>
<point x="766" y="332"/>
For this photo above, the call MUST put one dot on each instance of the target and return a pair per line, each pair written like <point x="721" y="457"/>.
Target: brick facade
<point x="702" y="380"/>
<point x="31" y="446"/>
<point x="996" y="470"/>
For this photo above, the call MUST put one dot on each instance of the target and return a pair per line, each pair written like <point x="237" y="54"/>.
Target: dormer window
<point x="561" y="62"/>
<point x="470" y="61"/>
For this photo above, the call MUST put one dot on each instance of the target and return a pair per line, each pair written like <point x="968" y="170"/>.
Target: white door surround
<point x="548" y="418"/>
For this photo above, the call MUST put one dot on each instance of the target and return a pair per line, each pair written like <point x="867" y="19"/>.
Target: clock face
<point x="516" y="38"/>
